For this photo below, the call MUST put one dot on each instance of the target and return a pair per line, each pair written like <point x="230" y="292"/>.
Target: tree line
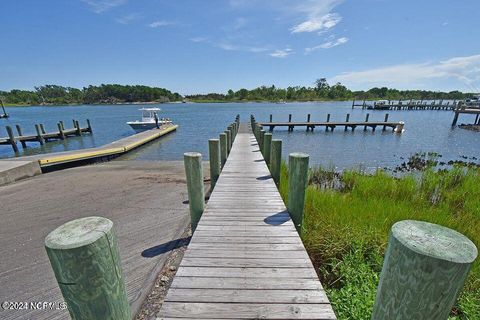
<point x="115" y="93"/>
<point x="103" y="94"/>
<point x="323" y="91"/>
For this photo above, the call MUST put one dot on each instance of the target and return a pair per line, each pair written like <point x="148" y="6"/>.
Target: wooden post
<point x="60" y="131"/>
<point x="290" y="118"/>
<point x="366" y="120"/>
<point x="42" y="128"/>
<point x="455" y="118"/>
<point x="424" y="269"/>
<point x="229" y="141"/>
<point x="267" y="144"/>
<point x="11" y="138"/>
<point x="86" y="262"/>
<point x="328" y="120"/>
<point x="196" y="193"/>
<point x="20" y="134"/>
<point x="297" y="183"/>
<point x="262" y="134"/>
<point x="271" y="118"/>
<point x="347" y="119"/>
<point x="353" y="103"/>
<point x="223" y="148"/>
<point x="386" y="119"/>
<point x="79" y="130"/>
<point x="276" y="160"/>
<point x="39" y="135"/>
<point x="89" y="126"/>
<point x="215" y="165"/>
<point x="63" y="126"/>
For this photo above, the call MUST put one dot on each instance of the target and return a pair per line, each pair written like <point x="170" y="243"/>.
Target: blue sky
<point x="211" y="46"/>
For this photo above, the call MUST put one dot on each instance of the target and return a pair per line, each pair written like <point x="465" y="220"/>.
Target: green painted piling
<point x="229" y="141"/>
<point x="39" y="135"/>
<point x="260" y="140"/>
<point x="425" y="268"/>
<point x="276" y="160"/>
<point x="223" y="148"/>
<point x="297" y="183"/>
<point x="85" y="260"/>
<point x="215" y="165"/>
<point x="11" y="138"/>
<point x="267" y="144"/>
<point x="196" y="192"/>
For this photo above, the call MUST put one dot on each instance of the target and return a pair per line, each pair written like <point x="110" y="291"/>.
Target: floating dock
<point x="331" y="125"/>
<point x="246" y="259"/>
<point x="10" y="169"/>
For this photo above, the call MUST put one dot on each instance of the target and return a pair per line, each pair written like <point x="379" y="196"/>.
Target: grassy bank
<point x="348" y="218"/>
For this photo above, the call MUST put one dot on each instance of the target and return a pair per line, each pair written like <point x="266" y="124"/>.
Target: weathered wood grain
<point x="245" y="259"/>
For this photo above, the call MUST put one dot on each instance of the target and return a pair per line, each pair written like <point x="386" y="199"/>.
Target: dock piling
<point x="196" y="193"/>
<point x="60" y="131"/>
<point x="260" y="141"/>
<point x="424" y="269"/>
<point x="297" y="183"/>
<point x="215" y="165"/>
<point x="229" y="141"/>
<point x="386" y="120"/>
<point x="366" y="120"/>
<point x="223" y="148"/>
<point x="20" y="134"/>
<point x="39" y="135"/>
<point x="267" y="144"/>
<point x="89" y="126"/>
<point x="276" y="160"/>
<point x="63" y="126"/>
<point x="42" y="128"/>
<point x="271" y="118"/>
<point x="86" y="262"/>
<point x="79" y="130"/>
<point x="12" y="139"/>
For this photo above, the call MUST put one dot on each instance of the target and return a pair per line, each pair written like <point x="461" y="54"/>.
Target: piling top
<point x="192" y="154"/>
<point x="435" y="241"/>
<point x="298" y="155"/>
<point x="78" y="233"/>
<point x="268" y="134"/>
<point x="213" y="140"/>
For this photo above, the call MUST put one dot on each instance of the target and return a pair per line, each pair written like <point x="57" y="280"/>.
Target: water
<point x="425" y="131"/>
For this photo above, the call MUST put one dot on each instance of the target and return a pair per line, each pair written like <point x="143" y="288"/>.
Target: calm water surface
<point x="425" y="131"/>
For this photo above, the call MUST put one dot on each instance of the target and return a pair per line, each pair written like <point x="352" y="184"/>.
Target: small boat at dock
<point x="149" y="120"/>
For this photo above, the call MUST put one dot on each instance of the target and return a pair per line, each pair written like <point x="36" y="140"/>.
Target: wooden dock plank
<point x="245" y="259"/>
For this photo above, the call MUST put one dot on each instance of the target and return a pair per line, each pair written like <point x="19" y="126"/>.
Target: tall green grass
<point x="347" y="223"/>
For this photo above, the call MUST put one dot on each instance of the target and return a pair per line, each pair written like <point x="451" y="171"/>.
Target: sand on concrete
<point x="147" y="202"/>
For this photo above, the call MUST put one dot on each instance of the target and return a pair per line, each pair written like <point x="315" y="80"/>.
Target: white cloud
<point x="466" y="70"/>
<point x="99" y="6"/>
<point x="127" y="18"/>
<point x="160" y="23"/>
<point x="279" y="53"/>
<point x="319" y="24"/>
<point x="330" y="43"/>
<point x="317" y="15"/>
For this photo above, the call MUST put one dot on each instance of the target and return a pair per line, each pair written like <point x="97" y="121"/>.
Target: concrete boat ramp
<point x="23" y="167"/>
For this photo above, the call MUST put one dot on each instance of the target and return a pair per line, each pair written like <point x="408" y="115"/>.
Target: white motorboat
<point x="149" y="120"/>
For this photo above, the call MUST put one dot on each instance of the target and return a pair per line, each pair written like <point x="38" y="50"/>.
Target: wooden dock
<point x="246" y="259"/>
<point x="42" y="136"/>
<point x="407" y="105"/>
<point x="474" y="111"/>
<point x="396" y="126"/>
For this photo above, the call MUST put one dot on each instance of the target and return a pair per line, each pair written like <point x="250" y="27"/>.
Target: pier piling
<point x="223" y="148"/>
<point x="297" y="183"/>
<point x="86" y="262"/>
<point x="424" y="269"/>
<point x="276" y="160"/>
<point x="60" y="131"/>
<point x="215" y="165"/>
<point x="39" y="135"/>
<point x="196" y="193"/>
<point x="20" y="134"/>
<point x="11" y="136"/>
<point x="267" y="144"/>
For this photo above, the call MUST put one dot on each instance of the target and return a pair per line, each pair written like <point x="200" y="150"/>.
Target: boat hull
<point x="144" y="126"/>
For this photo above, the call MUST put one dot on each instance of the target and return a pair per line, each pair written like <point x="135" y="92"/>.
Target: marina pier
<point x="396" y="126"/>
<point x="406" y="105"/>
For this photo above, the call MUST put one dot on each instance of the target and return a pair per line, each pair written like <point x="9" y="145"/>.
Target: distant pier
<point x="406" y="105"/>
<point x="474" y="111"/>
<point x="396" y="126"/>
<point x="42" y="136"/>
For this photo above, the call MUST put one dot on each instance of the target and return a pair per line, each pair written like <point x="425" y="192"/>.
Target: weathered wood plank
<point x="252" y="273"/>
<point x="247" y="311"/>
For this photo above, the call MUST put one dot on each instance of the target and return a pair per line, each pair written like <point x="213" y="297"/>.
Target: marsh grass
<point x="348" y="218"/>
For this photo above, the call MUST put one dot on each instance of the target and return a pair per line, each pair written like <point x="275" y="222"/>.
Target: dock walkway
<point x="246" y="259"/>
